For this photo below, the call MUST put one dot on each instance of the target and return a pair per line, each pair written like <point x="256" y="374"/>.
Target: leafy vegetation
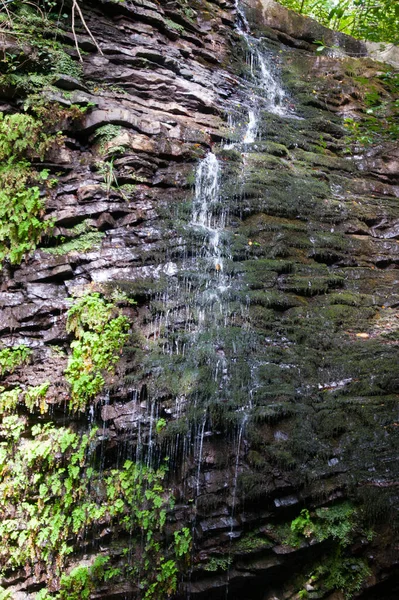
<point x="21" y="204"/>
<point x="83" y="243"/>
<point x="339" y="524"/>
<point x="218" y="563"/>
<point x="11" y="358"/>
<point x="100" y="331"/>
<point x="375" y="20"/>
<point x="33" y="397"/>
<point x="51" y="493"/>
<point x="379" y="121"/>
<point x="106" y="134"/>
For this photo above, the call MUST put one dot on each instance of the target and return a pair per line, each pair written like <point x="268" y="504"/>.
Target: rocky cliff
<point x="263" y="365"/>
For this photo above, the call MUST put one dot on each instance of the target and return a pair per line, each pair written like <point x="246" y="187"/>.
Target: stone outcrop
<point x="308" y="346"/>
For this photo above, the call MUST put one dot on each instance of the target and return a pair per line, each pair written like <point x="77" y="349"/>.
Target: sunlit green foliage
<point x="100" y="332"/>
<point x="375" y="20"/>
<point x="50" y="494"/>
<point x="34" y="397"/>
<point x="379" y="120"/>
<point x="11" y="358"/>
<point x="21" y="203"/>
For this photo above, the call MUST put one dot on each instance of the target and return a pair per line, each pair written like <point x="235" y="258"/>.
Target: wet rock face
<point x="287" y="396"/>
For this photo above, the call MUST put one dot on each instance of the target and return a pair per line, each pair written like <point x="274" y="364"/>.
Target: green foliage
<point x="4" y="595"/>
<point x="217" y="563"/>
<point x="303" y="524"/>
<point x="42" y="483"/>
<point x="12" y="427"/>
<point x="76" y="585"/>
<point x="182" y="542"/>
<point x="100" y="332"/>
<point x="172" y="25"/>
<point x="379" y="121"/>
<point x="337" y="522"/>
<point x="83" y="243"/>
<point x="21" y="204"/>
<point x="160" y="425"/>
<point x="9" y="399"/>
<point x="105" y="134"/>
<point x="375" y="20"/>
<point x="35" y="397"/>
<point x="252" y="542"/>
<point x="51" y="493"/>
<point x="82" y="581"/>
<point x="340" y="572"/>
<point x="22" y="135"/>
<point x="21" y="210"/>
<point x="11" y="358"/>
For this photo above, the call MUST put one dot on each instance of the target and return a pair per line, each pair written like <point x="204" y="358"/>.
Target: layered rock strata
<point x="290" y="399"/>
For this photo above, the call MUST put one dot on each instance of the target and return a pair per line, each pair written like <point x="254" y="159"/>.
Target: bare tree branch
<point x="75" y="6"/>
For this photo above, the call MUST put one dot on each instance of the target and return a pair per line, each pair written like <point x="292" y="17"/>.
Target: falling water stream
<point x="210" y="219"/>
<point x="210" y="216"/>
<point x="202" y="325"/>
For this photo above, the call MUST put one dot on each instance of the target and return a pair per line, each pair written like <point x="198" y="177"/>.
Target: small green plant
<point x="340" y="572"/>
<point x="303" y="525"/>
<point x="11" y="358"/>
<point x="4" y="595"/>
<point x="100" y="332"/>
<point x="105" y="134"/>
<point x="21" y="202"/>
<point x="81" y="244"/>
<point x="9" y="399"/>
<point x="338" y="523"/>
<point x="172" y="25"/>
<point x="217" y="563"/>
<point x="76" y="586"/>
<point x="35" y="397"/>
<point x="160" y="425"/>
<point x="183" y="541"/>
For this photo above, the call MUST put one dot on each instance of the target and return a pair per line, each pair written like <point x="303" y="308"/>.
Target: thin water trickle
<point x="201" y="447"/>
<point x="250" y="133"/>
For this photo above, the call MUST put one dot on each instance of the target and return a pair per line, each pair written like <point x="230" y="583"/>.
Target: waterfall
<point x="210" y="218"/>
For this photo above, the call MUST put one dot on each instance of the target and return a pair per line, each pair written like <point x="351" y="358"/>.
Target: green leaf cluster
<point x="51" y="493"/>
<point x="341" y="572"/>
<point x="379" y="121"/>
<point x="100" y="332"/>
<point x="21" y="202"/>
<point x="33" y="397"/>
<point x="338" y="523"/>
<point x="11" y="358"/>
<point x="374" y="20"/>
